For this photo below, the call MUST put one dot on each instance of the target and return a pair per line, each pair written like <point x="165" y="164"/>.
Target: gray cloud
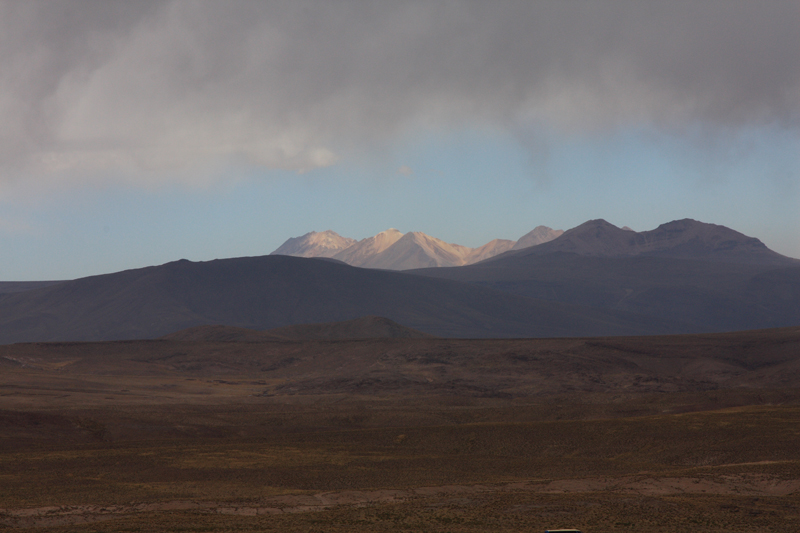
<point x="96" y="87"/>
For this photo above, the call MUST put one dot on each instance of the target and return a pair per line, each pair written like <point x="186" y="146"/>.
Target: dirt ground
<point x="747" y="487"/>
<point x="435" y="436"/>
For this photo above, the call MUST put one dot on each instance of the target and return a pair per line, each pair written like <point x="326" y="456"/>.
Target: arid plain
<point x="238" y="431"/>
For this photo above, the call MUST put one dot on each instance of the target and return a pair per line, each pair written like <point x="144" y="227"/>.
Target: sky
<point x="138" y="133"/>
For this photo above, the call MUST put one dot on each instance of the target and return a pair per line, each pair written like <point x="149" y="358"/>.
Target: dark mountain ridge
<point x="596" y="279"/>
<point x="706" y="275"/>
<point x="274" y="291"/>
<point x="8" y="287"/>
<point x="684" y="239"/>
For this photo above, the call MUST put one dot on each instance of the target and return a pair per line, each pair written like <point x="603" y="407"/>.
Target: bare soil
<point x="620" y="434"/>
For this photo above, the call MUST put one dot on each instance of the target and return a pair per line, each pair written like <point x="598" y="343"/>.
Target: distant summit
<point x="323" y="244"/>
<point x="680" y="239"/>
<point x="418" y="250"/>
<point x="692" y="239"/>
<point x="363" y="251"/>
<point x="539" y="235"/>
<point x="394" y="250"/>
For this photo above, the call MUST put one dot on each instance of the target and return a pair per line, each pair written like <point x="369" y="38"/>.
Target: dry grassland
<point x="146" y="447"/>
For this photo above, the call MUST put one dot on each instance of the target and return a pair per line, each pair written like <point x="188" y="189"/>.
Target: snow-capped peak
<point x="359" y="253"/>
<point x="393" y="250"/>
<point x="315" y="244"/>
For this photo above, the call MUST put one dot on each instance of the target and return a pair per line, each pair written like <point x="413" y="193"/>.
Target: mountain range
<point x="686" y="239"/>
<point x="274" y="291"/>
<point x="704" y="276"/>
<point x="593" y="280"/>
<point x="393" y="250"/>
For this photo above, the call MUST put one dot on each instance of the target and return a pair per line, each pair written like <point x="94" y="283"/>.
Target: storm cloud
<point x="97" y="87"/>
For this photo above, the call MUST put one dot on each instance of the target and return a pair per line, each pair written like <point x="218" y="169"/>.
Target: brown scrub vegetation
<point x="607" y="434"/>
